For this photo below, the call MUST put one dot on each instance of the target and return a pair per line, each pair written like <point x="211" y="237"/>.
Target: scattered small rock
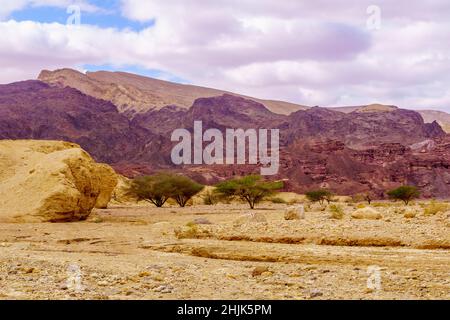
<point x="314" y="293"/>
<point x="164" y="289"/>
<point x="202" y="221"/>
<point x="103" y="283"/>
<point x="259" y="271"/>
<point x="409" y="214"/>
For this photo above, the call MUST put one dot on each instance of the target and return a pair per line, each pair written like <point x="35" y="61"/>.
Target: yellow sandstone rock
<point x="367" y="213"/>
<point x="50" y="181"/>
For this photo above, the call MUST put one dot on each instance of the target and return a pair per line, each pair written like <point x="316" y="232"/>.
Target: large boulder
<point x="367" y="213"/>
<point x="121" y="194"/>
<point x="109" y="183"/>
<point x="50" y="181"/>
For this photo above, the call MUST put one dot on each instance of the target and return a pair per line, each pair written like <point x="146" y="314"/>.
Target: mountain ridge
<point x="319" y="147"/>
<point x="133" y="93"/>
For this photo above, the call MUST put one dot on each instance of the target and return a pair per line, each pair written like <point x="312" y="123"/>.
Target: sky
<point x="322" y="52"/>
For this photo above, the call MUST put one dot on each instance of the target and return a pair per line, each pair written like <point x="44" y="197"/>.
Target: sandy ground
<point x="151" y="253"/>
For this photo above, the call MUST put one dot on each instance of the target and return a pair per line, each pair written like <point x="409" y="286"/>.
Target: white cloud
<point x="7" y="7"/>
<point x="315" y="53"/>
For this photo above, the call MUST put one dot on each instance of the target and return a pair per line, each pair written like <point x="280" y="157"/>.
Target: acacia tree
<point x="251" y="189"/>
<point x="404" y="193"/>
<point x="156" y="189"/>
<point x="319" y="195"/>
<point x="183" y="189"/>
<point x="368" y="197"/>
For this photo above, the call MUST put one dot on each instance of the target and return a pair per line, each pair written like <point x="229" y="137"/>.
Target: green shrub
<point x="319" y="195"/>
<point x="404" y="193"/>
<point x="251" y="189"/>
<point x="154" y="189"/>
<point x="161" y="187"/>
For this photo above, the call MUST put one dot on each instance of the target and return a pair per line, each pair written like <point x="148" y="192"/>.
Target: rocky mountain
<point x="429" y="116"/>
<point x="347" y="152"/>
<point x="137" y="94"/>
<point x="441" y="117"/>
<point x="35" y="110"/>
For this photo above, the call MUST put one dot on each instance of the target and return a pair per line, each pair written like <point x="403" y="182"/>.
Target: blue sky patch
<point x="108" y="17"/>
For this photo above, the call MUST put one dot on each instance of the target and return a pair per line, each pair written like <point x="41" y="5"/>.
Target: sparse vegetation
<point x="154" y="189"/>
<point x="435" y="208"/>
<point x="337" y="212"/>
<point x="356" y="198"/>
<point x="381" y="205"/>
<point x="159" y="188"/>
<point x="251" y="189"/>
<point x="293" y="201"/>
<point x="404" y="193"/>
<point x="210" y="198"/>
<point x="320" y="195"/>
<point x="278" y="200"/>
<point x="183" y="189"/>
<point x="368" y="196"/>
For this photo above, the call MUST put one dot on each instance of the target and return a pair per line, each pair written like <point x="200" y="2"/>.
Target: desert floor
<point x="150" y="253"/>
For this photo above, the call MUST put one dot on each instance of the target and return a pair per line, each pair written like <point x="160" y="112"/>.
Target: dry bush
<point x="191" y="231"/>
<point x="356" y="198"/>
<point x="381" y="204"/>
<point x="399" y="210"/>
<point x="337" y="212"/>
<point x="210" y="198"/>
<point x="307" y="207"/>
<point x="435" y="208"/>
<point x="410" y="214"/>
<point x="360" y="206"/>
<point x="278" y="200"/>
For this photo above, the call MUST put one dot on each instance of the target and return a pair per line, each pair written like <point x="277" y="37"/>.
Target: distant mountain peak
<point x="134" y="94"/>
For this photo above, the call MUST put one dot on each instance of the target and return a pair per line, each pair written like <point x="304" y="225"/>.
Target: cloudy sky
<point x="321" y="52"/>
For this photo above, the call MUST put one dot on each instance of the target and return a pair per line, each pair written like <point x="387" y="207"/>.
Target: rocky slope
<point x="50" y="113"/>
<point x="50" y="181"/>
<point x="353" y="152"/>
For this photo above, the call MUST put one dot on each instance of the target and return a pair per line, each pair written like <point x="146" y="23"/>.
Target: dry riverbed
<point x="149" y="253"/>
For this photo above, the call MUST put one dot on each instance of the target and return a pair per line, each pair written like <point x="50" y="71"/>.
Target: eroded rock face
<point x="109" y="183"/>
<point x="50" y="181"/>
